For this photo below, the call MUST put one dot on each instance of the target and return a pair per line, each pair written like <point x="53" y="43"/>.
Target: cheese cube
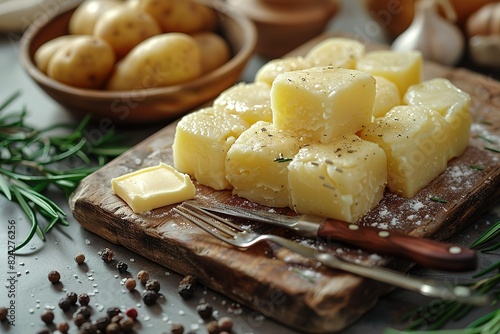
<point x="415" y="141"/>
<point x="153" y="187"/>
<point x="343" y="179"/>
<point x="404" y="68"/>
<point x="453" y="103"/>
<point x="250" y="101"/>
<point x="270" y="70"/>
<point x="256" y="164"/>
<point x="336" y="52"/>
<point x="386" y="96"/>
<point x="322" y="103"/>
<point x="201" y="142"/>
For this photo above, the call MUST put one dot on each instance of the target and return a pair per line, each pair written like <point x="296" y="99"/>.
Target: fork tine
<point x="215" y="217"/>
<point x="225" y="234"/>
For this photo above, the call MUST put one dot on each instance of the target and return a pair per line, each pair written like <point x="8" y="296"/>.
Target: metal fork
<point x="227" y="231"/>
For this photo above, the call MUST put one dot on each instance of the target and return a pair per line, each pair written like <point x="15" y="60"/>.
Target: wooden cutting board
<point x="279" y="284"/>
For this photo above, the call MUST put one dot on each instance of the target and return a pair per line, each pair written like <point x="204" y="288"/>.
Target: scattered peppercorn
<point x="113" y="328"/>
<point x="88" y="328"/>
<point x="117" y="318"/>
<point x="187" y="286"/>
<point x="106" y="255"/>
<point x="176" y="328"/>
<point x="79" y="258"/>
<point x="149" y="297"/>
<point x="143" y="276"/>
<point x="43" y="331"/>
<point x="47" y="317"/>
<point x="54" y="276"/>
<point x="122" y="267"/>
<point x="131" y="313"/>
<point x="3" y="313"/>
<point x="83" y="299"/>
<point x="63" y="327"/>
<point x="126" y="324"/>
<point x="85" y="311"/>
<point x="64" y="304"/>
<point x="204" y="310"/>
<point x="212" y="327"/>
<point x="72" y="297"/>
<point x="130" y="284"/>
<point x="225" y="324"/>
<point x="153" y="284"/>
<point x="102" y="322"/>
<point x="112" y="311"/>
<point x="79" y="319"/>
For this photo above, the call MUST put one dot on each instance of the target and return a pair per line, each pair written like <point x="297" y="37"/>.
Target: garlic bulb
<point x="437" y="38"/>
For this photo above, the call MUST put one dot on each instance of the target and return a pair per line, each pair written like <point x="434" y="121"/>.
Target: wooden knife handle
<point x="425" y="252"/>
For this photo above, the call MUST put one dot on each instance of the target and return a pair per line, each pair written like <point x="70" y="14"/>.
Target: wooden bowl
<point x="141" y="105"/>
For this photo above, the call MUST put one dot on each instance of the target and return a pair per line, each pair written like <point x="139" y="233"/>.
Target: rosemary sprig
<point x="34" y="160"/>
<point x="437" y="313"/>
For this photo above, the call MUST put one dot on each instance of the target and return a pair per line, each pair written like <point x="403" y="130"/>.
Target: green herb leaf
<point x="438" y="199"/>
<point x="492" y="233"/>
<point x="31" y="160"/>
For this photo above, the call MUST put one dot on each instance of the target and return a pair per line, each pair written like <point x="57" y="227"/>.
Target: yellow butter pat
<point x="153" y="187"/>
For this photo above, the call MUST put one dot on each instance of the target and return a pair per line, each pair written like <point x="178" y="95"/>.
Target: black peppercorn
<point x="43" y="331"/>
<point x="106" y="255"/>
<point x="54" y="276"/>
<point x="204" y="310"/>
<point x="153" y="284"/>
<point x="79" y="319"/>
<point x="83" y="299"/>
<point x="126" y="324"/>
<point x="47" y="317"/>
<point x="85" y="311"/>
<point x="117" y="318"/>
<point x="187" y="286"/>
<point x="112" y="311"/>
<point x="102" y="322"/>
<point x="65" y="304"/>
<point x="149" y="297"/>
<point x="72" y="297"/>
<point x="87" y="328"/>
<point x="122" y="267"/>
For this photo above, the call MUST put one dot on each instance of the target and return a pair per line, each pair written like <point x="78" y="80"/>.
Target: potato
<point x="123" y="27"/>
<point x="161" y="60"/>
<point x="214" y="49"/>
<point x="85" y="15"/>
<point x="85" y="62"/>
<point x="180" y="15"/>
<point x="45" y="52"/>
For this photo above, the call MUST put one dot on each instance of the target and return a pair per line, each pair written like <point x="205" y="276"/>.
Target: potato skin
<point x="159" y="61"/>
<point x="44" y="53"/>
<point x="214" y="49"/>
<point x="86" y="14"/>
<point x="180" y="15"/>
<point x="85" y="62"/>
<point x="123" y="27"/>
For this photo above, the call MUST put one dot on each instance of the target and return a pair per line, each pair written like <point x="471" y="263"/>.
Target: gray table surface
<point x="25" y="284"/>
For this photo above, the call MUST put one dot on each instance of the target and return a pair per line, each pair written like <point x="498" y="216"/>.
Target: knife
<point x="423" y="251"/>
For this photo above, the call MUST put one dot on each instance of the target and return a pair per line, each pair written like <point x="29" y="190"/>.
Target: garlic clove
<point x="485" y="50"/>
<point x="431" y="34"/>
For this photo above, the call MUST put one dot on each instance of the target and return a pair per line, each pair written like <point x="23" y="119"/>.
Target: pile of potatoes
<point x="135" y="44"/>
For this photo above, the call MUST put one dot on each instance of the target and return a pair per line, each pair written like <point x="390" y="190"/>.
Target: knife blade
<point x="423" y="251"/>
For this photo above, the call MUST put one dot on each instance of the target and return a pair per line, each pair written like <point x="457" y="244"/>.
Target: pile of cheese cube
<point x="326" y="133"/>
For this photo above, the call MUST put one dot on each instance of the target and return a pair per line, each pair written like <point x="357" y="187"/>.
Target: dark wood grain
<point x="271" y="280"/>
